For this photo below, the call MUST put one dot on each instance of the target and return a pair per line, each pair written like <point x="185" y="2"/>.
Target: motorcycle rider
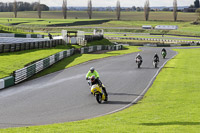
<point x="93" y="75"/>
<point x="156" y="58"/>
<point x="138" y="57"/>
<point x="163" y="50"/>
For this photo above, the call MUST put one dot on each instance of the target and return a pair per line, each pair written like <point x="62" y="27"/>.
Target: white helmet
<point x="92" y="69"/>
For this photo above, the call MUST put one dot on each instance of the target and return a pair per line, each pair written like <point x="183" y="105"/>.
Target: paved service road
<point x="65" y="96"/>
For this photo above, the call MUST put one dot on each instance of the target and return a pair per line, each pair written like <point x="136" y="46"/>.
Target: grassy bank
<point x="171" y="105"/>
<point x="17" y="60"/>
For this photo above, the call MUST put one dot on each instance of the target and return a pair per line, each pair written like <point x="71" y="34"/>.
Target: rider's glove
<point x="87" y="78"/>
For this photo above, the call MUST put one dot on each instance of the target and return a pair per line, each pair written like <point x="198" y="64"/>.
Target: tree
<point x="198" y="13"/>
<point x="175" y="10"/>
<point x="89" y="9"/>
<point x="39" y="9"/>
<point x="196" y="4"/>
<point x="146" y="10"/>
<point x="118" y="10"/>
<point x="64" y="9"/>
<point x="15" y="8"/>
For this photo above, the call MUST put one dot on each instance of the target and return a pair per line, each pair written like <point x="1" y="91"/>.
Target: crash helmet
<point x="92" y="69"/>
<point x="138" y="54"/>
<point x="92" y="78"/>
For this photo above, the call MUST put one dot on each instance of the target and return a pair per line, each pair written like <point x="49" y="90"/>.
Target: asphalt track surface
<point x="65" y="96"/>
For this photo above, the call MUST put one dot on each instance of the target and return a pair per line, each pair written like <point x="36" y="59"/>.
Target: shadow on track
<point x="149" y="67"/>
<point x="121" y="94"/>
<point x="117" y="102"/>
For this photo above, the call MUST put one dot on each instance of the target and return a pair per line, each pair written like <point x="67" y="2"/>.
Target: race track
<point x="65" y="96"/>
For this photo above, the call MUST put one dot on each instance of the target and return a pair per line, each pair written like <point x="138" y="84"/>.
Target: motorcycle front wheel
<point x="99" y="98"/>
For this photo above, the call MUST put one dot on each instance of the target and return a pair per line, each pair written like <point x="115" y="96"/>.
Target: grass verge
<point x="171" y="105"/>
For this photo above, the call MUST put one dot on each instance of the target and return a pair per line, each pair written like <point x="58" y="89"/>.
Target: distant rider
<point x="50" y="36"/>
<point x="93" y="75"/>
<point x="156" y="58"/>
<point x="164" y="50"/>
<point x="138" y="57"/>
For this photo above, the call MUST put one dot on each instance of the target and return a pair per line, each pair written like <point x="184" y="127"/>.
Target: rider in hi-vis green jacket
<point x="93" y="72"/>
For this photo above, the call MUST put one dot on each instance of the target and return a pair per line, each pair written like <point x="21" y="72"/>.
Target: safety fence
<point x="100" y="47"/>
<point x="30" y="45"/>
<point x="21" y="35"/>
<point x="153" y="39"/>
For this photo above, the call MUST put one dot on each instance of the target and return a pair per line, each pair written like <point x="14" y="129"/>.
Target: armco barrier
<point x="100" y="47"/>
<point x="24" y="73"/>
<point x="29" y="45"/>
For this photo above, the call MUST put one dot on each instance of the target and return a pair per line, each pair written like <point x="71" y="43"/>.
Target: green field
<point x="134" y="16"/>
<point x="170" y="105"/>
<point x="130" y="21"/>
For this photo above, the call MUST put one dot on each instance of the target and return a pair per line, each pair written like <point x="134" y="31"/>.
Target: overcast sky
<point x="105" y="3"/>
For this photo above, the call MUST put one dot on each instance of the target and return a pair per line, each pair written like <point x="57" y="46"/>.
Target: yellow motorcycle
<point x="97" y="91"/>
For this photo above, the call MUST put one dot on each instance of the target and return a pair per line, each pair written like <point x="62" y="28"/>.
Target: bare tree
<point x="15" y="8"/>
<point x="89" y="9"/>
<point x="118" y="10"/>
<point x="198" y="14"/>
<point x="64" y="9"/>
<point x="175" y="10"/>
<point x="146" y="10"/>
<point x="39" y="9"/>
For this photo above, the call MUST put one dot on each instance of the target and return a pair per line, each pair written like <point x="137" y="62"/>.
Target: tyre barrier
<point x="30" y="45"/>
<point x="21" y="35"/>
<point x="6" y="82"/>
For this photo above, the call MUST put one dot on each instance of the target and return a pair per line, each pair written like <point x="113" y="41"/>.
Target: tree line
<point x="21" y="6"/>
<point x="37" y="6"/>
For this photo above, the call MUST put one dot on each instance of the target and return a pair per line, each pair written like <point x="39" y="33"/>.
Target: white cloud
<point x="127" y="3"/>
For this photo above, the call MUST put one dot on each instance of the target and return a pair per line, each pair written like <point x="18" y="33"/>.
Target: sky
<point x="105" y="3"/>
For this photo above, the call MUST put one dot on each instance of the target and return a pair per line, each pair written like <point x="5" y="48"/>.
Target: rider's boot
<point x="106" y="94"/>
